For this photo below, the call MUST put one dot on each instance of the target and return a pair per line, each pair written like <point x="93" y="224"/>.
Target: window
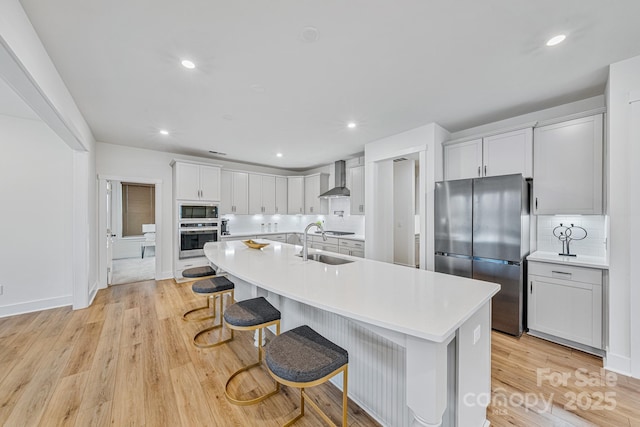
<point x="138" y="207"/>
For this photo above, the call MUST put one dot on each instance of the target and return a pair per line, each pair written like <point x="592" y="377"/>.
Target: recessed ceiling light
<point x="556" y="40"/>
<point x="279" y="155"/>
<point x="351" y="125"/>
<point x="164" y="132"/>
<point x="309" y="34"/>
<point x="188" y="64"/>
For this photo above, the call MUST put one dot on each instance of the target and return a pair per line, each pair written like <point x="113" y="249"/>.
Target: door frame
<point x="102" y="222"/>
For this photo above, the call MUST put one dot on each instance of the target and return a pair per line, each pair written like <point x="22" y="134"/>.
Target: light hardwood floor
<point x="128" y="360"/>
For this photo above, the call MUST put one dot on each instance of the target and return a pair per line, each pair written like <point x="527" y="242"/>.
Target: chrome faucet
<point x="305" y="250"/>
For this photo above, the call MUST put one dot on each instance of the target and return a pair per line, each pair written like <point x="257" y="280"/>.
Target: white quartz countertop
<point x="359" y="237"/>
<point x="578" y="261"/>
<point x="416" y="302"/>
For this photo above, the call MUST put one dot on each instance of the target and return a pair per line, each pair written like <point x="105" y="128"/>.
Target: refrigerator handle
<point x="531" y="287"/>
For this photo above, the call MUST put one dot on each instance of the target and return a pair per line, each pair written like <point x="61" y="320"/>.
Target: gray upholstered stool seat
<point x="212" y="285"/>
<point x="197" y="272"/>
<point x="303" y="358"/>
<point x="212" y="288"/>
<point x="249" y="315"/>
<point x="251" y="312"/>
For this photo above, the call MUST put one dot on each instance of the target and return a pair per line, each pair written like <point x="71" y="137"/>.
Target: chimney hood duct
<point x="340" y="190"/>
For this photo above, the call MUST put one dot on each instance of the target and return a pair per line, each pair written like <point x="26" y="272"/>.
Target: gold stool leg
<point x="258" y="399"/>
<point x="301" y="414"/>
<point x="211" y="328"/>
<point x="210" y="300"/>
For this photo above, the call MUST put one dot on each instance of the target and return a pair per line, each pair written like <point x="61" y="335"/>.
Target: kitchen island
<point x="419" y="342"/>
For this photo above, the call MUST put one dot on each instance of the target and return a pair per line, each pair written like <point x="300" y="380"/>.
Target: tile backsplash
<point x="593" y="245"/>
<point x="346" y="222"/>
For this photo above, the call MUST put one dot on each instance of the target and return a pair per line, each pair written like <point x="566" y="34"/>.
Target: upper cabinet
<point x="502" y="154"/>
<point x="235" y="193"/>
<point x="262" y="194"/>
<point x="356" y="186"/>
<point x="194" y="181"/>
<point x="314" y="185"/>
<point x="295" y="202"/>
<point x="568" y="167"/>
<point x="281" y="195"/>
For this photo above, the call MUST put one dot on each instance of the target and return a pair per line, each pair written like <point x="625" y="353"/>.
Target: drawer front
<point x="324" y="247"/>
<point x="566" y="272"/>
<point x="353" y="244"/>
<point x="276" y="237"/>
<point x="329" y="241"/>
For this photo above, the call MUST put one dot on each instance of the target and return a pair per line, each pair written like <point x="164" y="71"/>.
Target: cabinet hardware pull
<point x="485" y="170"/>
<point x="561" y="273"/>
<point x="531" y="288"/>
<point x="536" y="203"/>
<point x="479" y="171"/>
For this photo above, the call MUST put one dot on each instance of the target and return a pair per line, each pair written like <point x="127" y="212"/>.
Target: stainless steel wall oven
<point x="193" y="237"/>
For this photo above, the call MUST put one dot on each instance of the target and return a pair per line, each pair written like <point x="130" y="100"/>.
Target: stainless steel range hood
<point x="340" y="190"/>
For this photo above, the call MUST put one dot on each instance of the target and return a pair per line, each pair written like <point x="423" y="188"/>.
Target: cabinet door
<point x="567" y="174"/>
<point x="281" y="195"/>
<point x="357" y="190"/>
<point x="226" y="191"/>
<point x="508" y="153"/>
<point x="210" y="183"/>
<point x="240" y="194"/>
<point x="295" y="202"/>
<point x="311" y="185"/>
<point x="187" y="181"/>
<point x="463" y="160"/>
<point x="255" y="194"/>
<point x="268" y="194"/>
<point x="566" y="309"/>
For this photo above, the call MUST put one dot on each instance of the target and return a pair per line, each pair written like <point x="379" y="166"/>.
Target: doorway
<point x="130" y="224"/>
<point x="406" y="215"/>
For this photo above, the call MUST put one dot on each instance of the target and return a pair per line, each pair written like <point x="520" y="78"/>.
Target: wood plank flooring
<point x="129" y="360"/>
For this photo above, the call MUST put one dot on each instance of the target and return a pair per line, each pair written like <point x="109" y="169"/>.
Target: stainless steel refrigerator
<point x="482" y="232"/>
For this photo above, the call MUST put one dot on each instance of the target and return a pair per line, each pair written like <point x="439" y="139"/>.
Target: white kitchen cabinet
<point x="351" y="247"/>
<point x="235" y="193"/>
<point x="503" y="154"/>
<point x="351" y="252"/>
<point x="356" y="186"/>
<point x="275" y="237"/>
<point x="567" y="175"/>
<point x="262" y="194"/>
<point x="281" y="195"/>
<point x="295" y="195"/>
<point x="565" y="302"/>
<point x="314" y="185"/>
<point x="194" y="181"/>
<point x="324" y="246"/>
<point x="463" y="160"/>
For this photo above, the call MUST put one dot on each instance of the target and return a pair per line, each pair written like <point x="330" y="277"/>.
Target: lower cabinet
<point x="275" y="237"/>
<point x="565" y="302"/>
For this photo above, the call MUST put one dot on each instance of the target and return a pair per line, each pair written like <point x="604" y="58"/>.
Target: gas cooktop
<point x="336" y="233"/>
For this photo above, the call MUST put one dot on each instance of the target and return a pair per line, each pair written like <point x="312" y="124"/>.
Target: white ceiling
<point x="387" y="65"/>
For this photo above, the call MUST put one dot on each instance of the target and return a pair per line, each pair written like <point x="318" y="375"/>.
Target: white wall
<point x="36" y="226"/>
<point x="624" y="78"/>
<point x="404" y="207"/>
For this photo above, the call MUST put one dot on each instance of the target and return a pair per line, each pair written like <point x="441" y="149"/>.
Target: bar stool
<point x="249" y="315"/>
<point x="213" y="287"/>
<point x="198" y="273"/>
<point x="303" y="358"/>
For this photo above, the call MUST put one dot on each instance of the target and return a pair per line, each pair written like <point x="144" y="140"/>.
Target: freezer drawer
<point x="454" y="265"/>
<point x="507" y="305"/>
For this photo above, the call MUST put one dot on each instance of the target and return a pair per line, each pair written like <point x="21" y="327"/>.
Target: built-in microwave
<point x="193" y="237"/>
<point x="199" y="211"/>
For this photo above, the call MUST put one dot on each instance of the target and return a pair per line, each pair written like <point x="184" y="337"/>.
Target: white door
<point x="463" y="160"/>
<point x="210" y="183"/>
<point x="508" y="153"/>
<point x="110" y="235"/>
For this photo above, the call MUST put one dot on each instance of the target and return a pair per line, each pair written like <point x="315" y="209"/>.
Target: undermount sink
<point x="327" y="259"/>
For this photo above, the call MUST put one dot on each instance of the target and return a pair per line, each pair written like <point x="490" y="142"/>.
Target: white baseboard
<point x="165" y="275"/>
<point x="618" y="364"/>
<point x="36" y="305"/>
<point x="93" y="292"/>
